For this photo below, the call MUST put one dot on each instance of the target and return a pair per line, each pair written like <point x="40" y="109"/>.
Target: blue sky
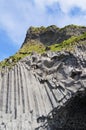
<point x="16" y="16"/>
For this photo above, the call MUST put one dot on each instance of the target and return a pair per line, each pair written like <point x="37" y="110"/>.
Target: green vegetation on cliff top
<point x="69" y="44"/>
<point x="28" y="48"/>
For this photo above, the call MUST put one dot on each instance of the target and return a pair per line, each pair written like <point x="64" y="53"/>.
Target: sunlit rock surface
<point x="36" y="94"/>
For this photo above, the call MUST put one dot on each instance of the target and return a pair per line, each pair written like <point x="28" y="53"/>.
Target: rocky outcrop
<point x="52" y="34"/>
<point x="37" y="93"/>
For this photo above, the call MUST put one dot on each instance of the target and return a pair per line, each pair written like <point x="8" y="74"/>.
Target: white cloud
<point x="16" y="15"/>
<point x="65" y="5"/>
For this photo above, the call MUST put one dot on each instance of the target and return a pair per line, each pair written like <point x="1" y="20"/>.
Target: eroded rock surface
<point x="37" y="92"/>
<point x="52" y="34"/>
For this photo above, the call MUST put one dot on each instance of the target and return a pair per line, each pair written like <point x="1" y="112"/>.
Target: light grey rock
<point x="39" y="87"/>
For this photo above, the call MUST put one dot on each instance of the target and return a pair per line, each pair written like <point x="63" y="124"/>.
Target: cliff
<point x="45" y="91"/>
<point x="52" y="34"/>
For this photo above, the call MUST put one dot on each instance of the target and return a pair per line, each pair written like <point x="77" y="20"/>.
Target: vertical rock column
<point x="15" y="92"/>
<point x="5" y="91"/>
<point x="1" y="90"/>
<point x="12" y="93"/>
<point x="24" y="85"/>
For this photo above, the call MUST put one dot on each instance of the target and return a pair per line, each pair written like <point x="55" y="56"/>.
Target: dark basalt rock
<point x="45" y="92"/>
<point x="52" y="34"/>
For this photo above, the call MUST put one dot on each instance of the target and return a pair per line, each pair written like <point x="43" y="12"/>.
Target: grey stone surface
<point x="33" y="91"/>
<point x="52" y="34"/>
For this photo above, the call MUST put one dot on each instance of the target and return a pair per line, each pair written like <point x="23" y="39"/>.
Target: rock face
<point x="52" y="34"/>
<point x="45" y="92"/>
